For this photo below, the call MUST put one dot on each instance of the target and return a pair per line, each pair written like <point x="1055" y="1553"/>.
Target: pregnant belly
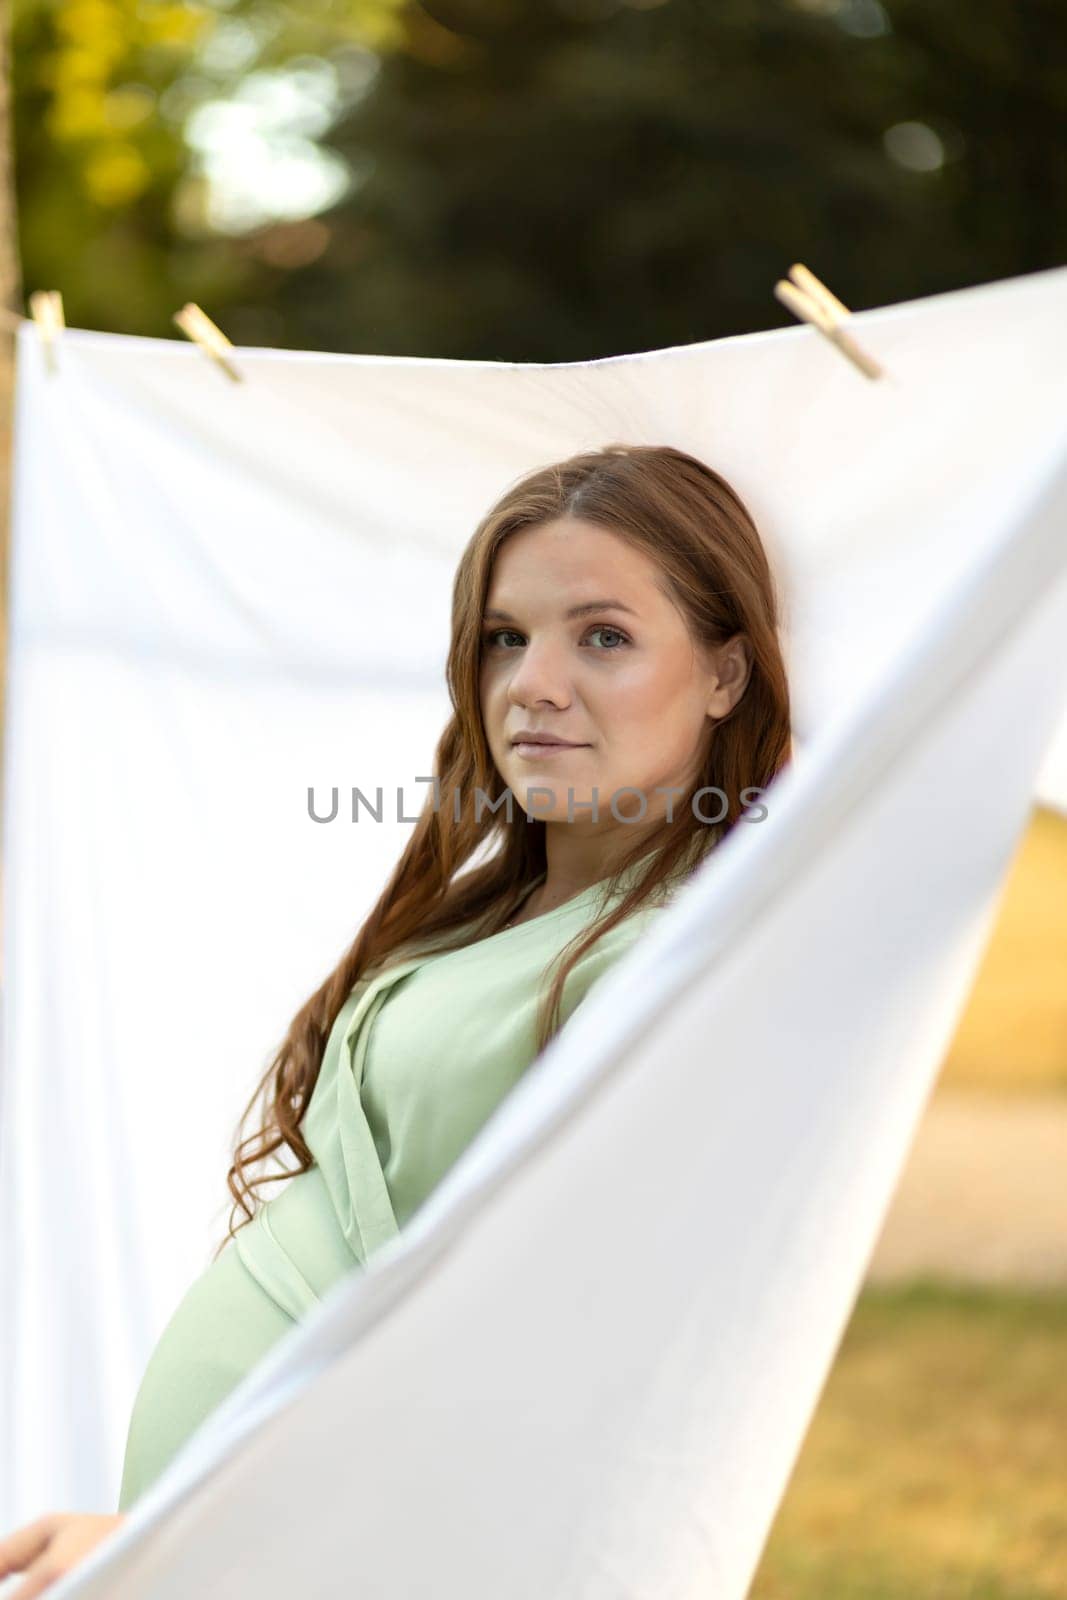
<point x="224" y="1324"/>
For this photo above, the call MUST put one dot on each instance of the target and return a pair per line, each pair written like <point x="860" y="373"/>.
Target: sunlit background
<point x="556" y="180"/>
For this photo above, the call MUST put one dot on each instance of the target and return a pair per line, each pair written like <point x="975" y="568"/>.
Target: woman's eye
<point x="601" y="627"/>
<point x="605" y="627"/>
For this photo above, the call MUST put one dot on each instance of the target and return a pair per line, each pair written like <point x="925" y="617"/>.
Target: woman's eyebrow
<point x="575" y="611"/>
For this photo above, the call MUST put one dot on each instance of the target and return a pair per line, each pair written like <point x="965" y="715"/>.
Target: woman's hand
<point x="48" y="1548"/>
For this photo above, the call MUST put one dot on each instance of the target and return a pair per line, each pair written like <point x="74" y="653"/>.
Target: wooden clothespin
<point x="46" y="309"/>
<point x="812" y="301"/>
<point x="198" y="326"/>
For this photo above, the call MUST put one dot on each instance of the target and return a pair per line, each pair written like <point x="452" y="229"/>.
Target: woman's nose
<point x="541" y="672"/>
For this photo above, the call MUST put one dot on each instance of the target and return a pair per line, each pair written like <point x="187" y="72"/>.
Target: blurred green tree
<point x="113" y="200"/>
<point x="590" y="176"/>
<point x="529" y="179"/>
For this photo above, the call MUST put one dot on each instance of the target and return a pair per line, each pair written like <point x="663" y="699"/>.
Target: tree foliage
<point x="545" y="179"/>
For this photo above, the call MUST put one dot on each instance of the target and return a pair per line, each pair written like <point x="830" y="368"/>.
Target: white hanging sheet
<point x="587" y="1366"/>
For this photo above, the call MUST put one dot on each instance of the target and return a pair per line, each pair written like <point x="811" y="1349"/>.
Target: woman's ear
<point x="731" y="669"/>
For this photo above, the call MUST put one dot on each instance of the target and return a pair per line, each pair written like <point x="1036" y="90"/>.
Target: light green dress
<point x="419" y="1056"/>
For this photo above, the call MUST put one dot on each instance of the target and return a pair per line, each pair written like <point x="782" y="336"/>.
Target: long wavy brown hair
<point x="689" y="520"/>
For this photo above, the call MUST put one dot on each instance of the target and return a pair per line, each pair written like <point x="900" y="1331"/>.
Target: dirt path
<point x="984" y="1194"/>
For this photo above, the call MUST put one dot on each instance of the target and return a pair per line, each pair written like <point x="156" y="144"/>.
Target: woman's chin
<point x="548" y="800"/>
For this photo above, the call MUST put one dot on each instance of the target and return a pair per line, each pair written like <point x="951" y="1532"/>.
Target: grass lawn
<point x="936" y="1464"/>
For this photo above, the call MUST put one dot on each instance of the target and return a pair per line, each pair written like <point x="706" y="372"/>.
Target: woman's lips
<point x="529" y="748"/>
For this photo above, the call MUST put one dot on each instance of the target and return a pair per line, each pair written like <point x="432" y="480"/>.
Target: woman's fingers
<point x="39" y="1578"/>
<point x="48" y="1548"/>
<point x="30" y="1548"/>
<point x="25" y="1544"/>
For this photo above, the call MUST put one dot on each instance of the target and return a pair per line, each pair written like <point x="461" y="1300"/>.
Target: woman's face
<point x="623" y="682"/>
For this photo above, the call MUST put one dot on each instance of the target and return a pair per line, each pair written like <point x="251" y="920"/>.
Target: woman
<point x="614" y="660"/>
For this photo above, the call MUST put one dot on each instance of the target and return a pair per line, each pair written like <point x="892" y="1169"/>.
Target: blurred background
<point x="557" y="180"/>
